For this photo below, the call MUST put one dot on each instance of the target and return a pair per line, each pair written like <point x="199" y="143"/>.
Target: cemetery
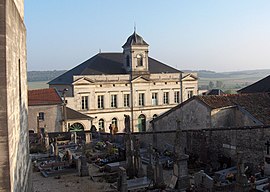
<point x="125" y="162"/>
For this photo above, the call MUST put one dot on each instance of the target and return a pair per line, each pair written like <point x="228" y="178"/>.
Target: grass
<point x="37" y="85"/>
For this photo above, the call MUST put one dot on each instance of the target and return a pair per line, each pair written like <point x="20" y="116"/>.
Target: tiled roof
<point x="75" y="115"/>
<point x="43" y="97"/>
<point x="108" y="64"/>
<point x="262" y="85"/>
<point x="257" y="104"/>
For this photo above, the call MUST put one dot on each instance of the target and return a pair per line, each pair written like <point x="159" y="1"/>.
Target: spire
<point x="134" y="27"/>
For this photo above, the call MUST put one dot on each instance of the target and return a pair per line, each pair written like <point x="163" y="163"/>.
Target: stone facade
<point x="14" y="159"/>
<point x="52" y="121"/>
<point x="150" y="91"/>
<point x="194" y="114"/>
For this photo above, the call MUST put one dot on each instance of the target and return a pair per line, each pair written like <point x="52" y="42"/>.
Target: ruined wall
<point x="52" y="118"/>
<point x="14" y="159"/>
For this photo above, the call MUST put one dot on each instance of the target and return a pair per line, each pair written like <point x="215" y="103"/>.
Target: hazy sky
<point x="219" y="35"/>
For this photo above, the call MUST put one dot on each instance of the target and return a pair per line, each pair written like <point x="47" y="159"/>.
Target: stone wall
<point x="14" y="159"/>
<point x="52" y="118"/>
<point x="191" y="114"/>
<point x="211" y="143"/>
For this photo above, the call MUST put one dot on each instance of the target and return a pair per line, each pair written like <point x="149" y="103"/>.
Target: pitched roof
<point x="257" y="104"/>
<point x="262" y="85"/>
<point x="44" y="97"/>
<point x="108" y="64"/>
<point x="75" y="115"/>
<point x="214" y="92"/>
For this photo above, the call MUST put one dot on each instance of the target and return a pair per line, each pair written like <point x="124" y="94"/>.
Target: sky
<point x="217" y="35"/>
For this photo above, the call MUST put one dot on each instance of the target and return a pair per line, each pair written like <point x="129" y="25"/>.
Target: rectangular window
<point x="176" y="97"/>
<point x="100" y="101"/>
<point x="113" y="100"/>
<point x="190" y="94"/>
<point x="166" y="98"/>
<point x="141" y="99"/>
<point x="84" y="102"/>
<point x="126" y="100"/>
<point x="154" y="98"/>
<point x="41" y="116"/>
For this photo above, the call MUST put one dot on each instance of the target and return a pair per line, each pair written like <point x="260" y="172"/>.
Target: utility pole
<point x="65" y="109"/>
<point x="131" y="103"/>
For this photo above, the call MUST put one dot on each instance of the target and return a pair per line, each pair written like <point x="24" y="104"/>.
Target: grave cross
<point x="267" y="145"/>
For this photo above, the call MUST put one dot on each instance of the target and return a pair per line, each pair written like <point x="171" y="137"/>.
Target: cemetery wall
<point x="210" y="144"/>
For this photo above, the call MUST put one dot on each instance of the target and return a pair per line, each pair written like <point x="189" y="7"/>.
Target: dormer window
<point x="139" y="60"/>
<point x="127" y="61"/>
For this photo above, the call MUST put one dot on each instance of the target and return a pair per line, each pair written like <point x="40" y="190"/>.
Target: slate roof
<point x="214" y="92"/>
<point x="108" y="64"/>
<point x="44" y="97"/>
<point x="75" y="115"/>
<point x="134" y="39"/>
<point x="257" y="104"/>
<point x="262" y="85"/>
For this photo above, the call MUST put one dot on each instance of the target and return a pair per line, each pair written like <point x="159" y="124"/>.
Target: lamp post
<point x="65" y="108"/>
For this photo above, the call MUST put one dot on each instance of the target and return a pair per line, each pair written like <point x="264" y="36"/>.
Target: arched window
<point x="139" y="60"/>
<point x="142" y="123"/>
<point x="76" y="127"/>
<point x="127" y="61"/>
<point x="114" y="125"/>
<point x="101" y="126"/>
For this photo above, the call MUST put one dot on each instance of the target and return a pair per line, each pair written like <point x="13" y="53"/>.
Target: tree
<point x="211" y="85"/>
<point x="219" y="84"/>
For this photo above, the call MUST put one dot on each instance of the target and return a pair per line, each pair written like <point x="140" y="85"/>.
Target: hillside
<point x="43" y="75"/>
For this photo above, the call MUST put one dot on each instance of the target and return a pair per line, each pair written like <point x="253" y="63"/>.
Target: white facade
<point x="138" y="93"/>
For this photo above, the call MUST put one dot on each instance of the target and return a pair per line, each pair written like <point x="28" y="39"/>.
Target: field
<point x="37" y="85"/>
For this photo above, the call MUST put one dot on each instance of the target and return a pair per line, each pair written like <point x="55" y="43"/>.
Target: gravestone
<point x="150" y="167"/>
<point x="203" y="182"/>
<point x="88" y="137"/>
<point x="180" y="169"/>
<point x="122" y="180"/>
<point x="129" y="149"/>
<point x="267" y="159"/>
<point x="242" y="184"/>
<point x="82" y="166"/>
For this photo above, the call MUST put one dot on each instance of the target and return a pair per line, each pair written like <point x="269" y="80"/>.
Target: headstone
<point x="82" y="167"/>
<point x="242" y="184"/>
<point x="88" y="137"/>
<point x="267" y="159"/>
<point x="203" y="182"/>
<point x="150" y="167"/>
<point x="180" y="163"/>
<point x="122" y="180"/>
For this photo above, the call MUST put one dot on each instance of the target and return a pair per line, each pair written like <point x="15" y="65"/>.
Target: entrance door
<point x="142" y="123"/>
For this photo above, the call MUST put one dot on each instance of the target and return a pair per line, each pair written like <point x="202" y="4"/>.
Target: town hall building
<point x="111" y="85"/>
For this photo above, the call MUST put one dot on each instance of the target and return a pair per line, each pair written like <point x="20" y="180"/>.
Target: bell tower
<point x="135" y="52"/>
